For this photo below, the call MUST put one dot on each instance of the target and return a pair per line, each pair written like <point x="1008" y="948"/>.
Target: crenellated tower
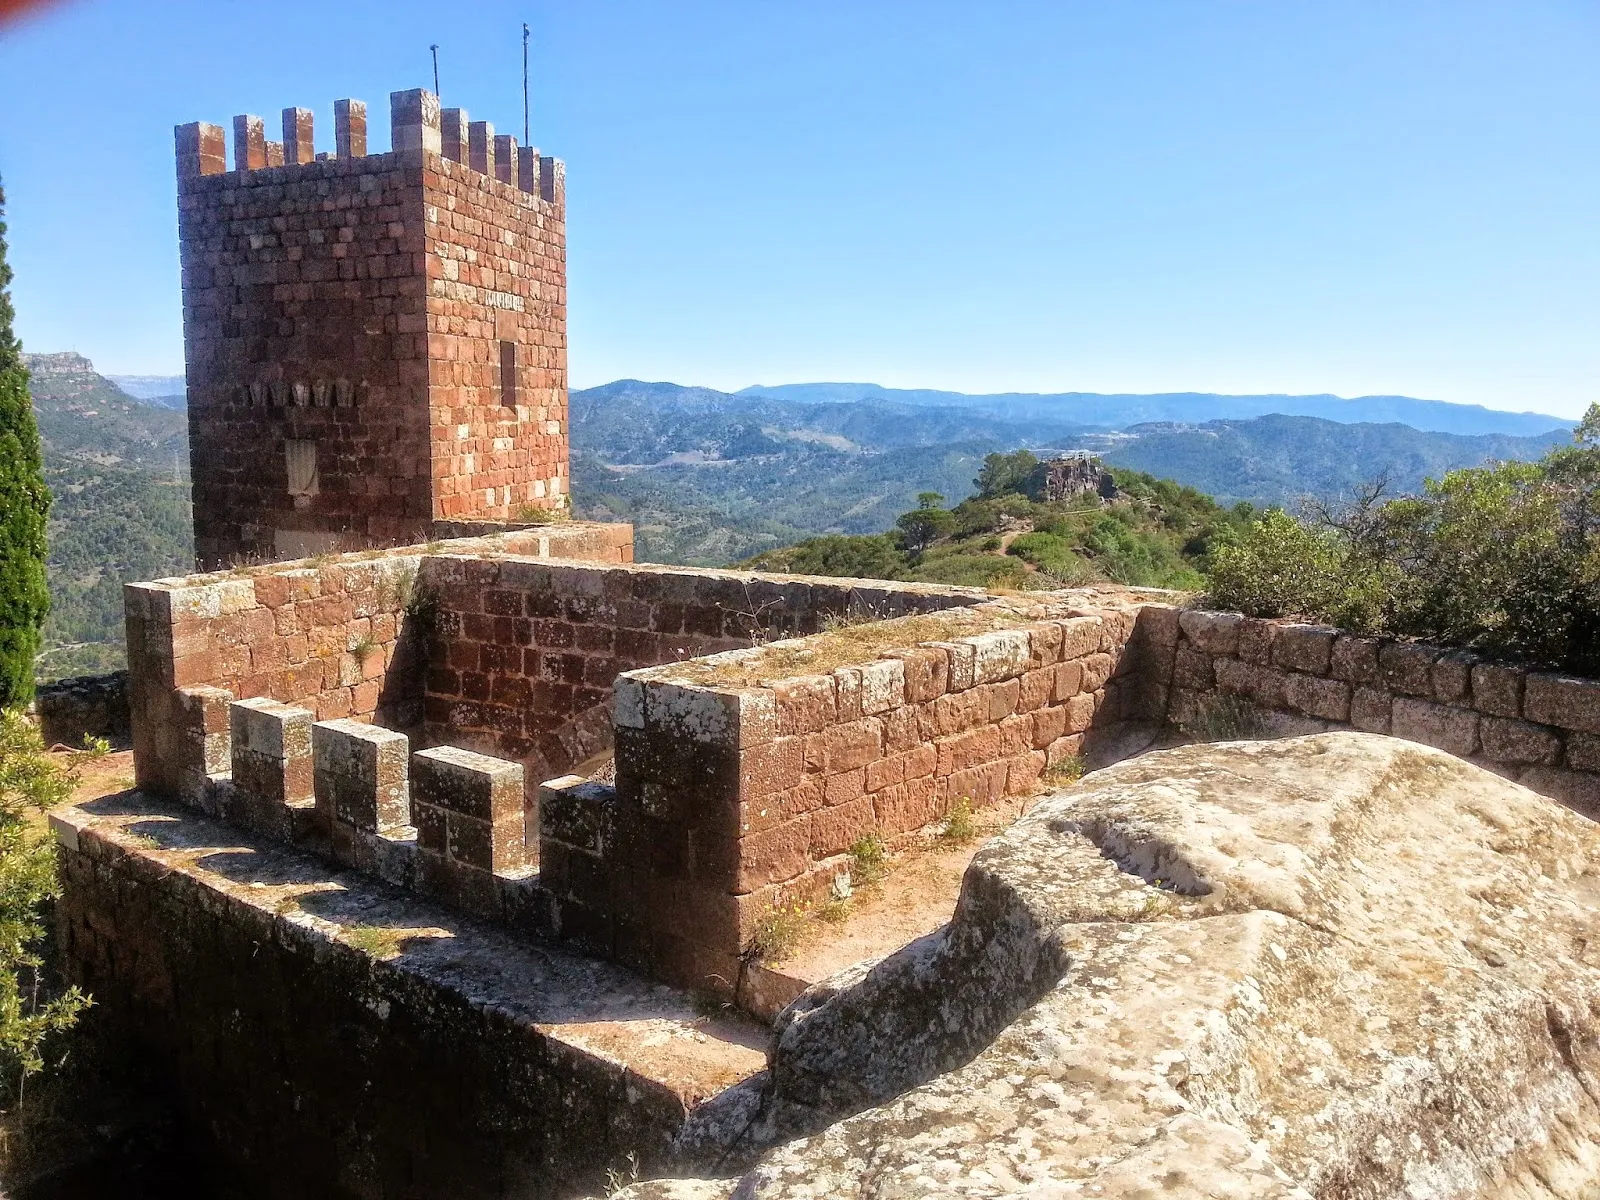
<point x="374" y="342"/>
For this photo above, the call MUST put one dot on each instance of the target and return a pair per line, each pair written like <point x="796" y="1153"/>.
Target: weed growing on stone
<point x="1067" y="771"/>
<point x="364" y="648"/>
<point x="142" y="840"/>
<point x="777" y="935"/>
<point x="959" y="826"/>
<point x="867" y="860"/>
<point x="375" y="941"/>
<point x="619" y="1179"/>
<point x="835" y="911"/>
<point x="289" y="904"/>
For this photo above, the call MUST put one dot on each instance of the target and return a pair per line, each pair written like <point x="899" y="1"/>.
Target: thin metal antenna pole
<point x="526" y="137"/>
<point x="435" y="49"/>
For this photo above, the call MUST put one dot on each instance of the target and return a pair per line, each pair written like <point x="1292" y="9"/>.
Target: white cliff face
<point x="1334" y="966"/>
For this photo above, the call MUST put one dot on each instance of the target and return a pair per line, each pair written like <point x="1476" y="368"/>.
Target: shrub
<point x="30" y="782"/>
<point x="1503" y="558"/>
<point x="24" y="507"/>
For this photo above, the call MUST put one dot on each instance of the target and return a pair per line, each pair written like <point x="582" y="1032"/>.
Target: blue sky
<point x="1344" y="196"/>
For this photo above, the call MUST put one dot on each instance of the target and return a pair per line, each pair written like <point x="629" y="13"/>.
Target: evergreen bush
<point x="24" y="508"/>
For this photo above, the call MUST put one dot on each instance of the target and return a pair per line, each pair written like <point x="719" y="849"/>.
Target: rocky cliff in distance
<point x="1337" y="966"/>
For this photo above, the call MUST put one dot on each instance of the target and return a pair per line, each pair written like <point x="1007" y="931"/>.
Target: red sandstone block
<point x="885" y="772"/>
<point x="1016" y="735"/>
<point x="955" y="713"/>
<point x="772" y="855"/>
<point x="1097" y="670"/>
<point x="968" y="749"/>
<point x="1048" y="725"/>
<point x="1080" y="636"/>
<point x="768" y="769"/>
<point x="902" y="729"/>
<point x="835" y="829"/>
<point x="1069" y="681"/>
<point x="1044" y="642"/>
<point x="1080" y="710"/>
<point x="927" y="672"/>
<point x="806" y="704"/>
<point x="980" y="785"/>
<point x="1023" y="771"/>
<point x="844" y="787"/>
<point x="904" y="807"/>
<point x="1036" y="689"/>
<point x="1062" y="749"/>
<point x="1002" y="698"/>
<point x="845" y="747"/>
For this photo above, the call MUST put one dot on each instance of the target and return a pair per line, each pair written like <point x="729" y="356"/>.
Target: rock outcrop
<point x="1333" y="966"/>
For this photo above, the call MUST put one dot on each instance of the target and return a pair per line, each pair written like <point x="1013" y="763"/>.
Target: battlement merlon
<point x="417" y="123"/>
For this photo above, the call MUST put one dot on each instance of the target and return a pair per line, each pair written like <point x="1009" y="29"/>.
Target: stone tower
<point x="374" y="342"/>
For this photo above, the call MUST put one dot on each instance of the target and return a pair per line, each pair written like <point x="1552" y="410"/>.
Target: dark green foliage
<point x="1003" y="474"/>
<point x="921" y="527"/>
<point x="1153" y="535"/>
<point x="1503" y="558"/>
<point x="30" y="783"/>
<point x="869" y="556"/>
<point x="24" y="508"/>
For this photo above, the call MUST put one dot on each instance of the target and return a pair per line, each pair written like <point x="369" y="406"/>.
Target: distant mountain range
<point x="1120" y="411"/>
<point x="710" y="476"/>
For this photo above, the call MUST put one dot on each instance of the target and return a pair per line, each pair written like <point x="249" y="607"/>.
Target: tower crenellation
<point x="374" y="342"/>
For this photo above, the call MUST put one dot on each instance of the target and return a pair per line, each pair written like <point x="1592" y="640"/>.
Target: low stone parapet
<point x="1541" y="728"/>
<point x="744" y="779"/>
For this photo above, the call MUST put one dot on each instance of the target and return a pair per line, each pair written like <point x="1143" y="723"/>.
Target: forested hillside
<point x="120" y="475"/>
<point x="1007" y="533"/>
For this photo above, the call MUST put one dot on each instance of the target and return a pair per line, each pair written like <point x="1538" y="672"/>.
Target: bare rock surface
<point x="1333" y="966"/>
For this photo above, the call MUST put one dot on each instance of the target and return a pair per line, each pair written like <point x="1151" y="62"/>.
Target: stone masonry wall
<point x="524" y="652"/>
<point x="1539" y="728"/>
<point x="332" y="636"/>
<point x="321" y="1065"/>
<point x="373" y="341"/>
<point x="733" y="799"/>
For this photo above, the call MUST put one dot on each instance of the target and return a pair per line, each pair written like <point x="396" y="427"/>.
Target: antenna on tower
<point x="435" y="49"/>
<point x="526" y="137"/>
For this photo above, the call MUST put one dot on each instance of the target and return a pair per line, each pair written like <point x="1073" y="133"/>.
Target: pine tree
<point x="24" y="506"/>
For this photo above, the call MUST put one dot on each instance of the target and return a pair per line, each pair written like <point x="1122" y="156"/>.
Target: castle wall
<point x="526" y="652"/>
<point x="1539" y="728"/>
<point x="329" y="635"/>
<point x="742" y="781"/>
<point x="329" y="1038"/>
